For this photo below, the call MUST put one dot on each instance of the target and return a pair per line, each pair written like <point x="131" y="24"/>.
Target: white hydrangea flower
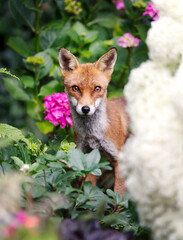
<point x="171" y="8"/>
<point x="25" y="168"/>
<point x="165" y="41"/>
<point x="152" y="158"/>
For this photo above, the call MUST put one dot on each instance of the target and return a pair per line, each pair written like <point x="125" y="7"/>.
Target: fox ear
<point x="106" y="62"/>
<point x="67" y="60"/>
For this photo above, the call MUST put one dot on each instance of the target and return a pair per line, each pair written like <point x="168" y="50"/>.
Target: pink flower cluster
<point x="58" y="109"/>
<point x="21" y="219"/>
<point x="151" y="11"/>
<point x="128" y="40"/>
<point x="119" y="4"/>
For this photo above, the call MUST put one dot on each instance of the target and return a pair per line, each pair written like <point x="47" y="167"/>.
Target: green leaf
<point x="74" y="35"/>
<point x="16" y="89"/>
<point x="60" y="155"/>
<point x="87" y="35"/>
<point x="98" y="48"/>
<point x="80" y="29"/>
<point x="65" y="145"/>
<point x="107" y="20"/>
<point x="11" y="132"/>
<point x="17" y="161"/>
<point x="3" y="70"/>
<point x="96" y="172"/>
<point x="45" y="68"/>
<point x="87" y="187"/>
<point x="56" y="165"/>
<point x="47" y="38"/>
<point x="116" y="219"/>
<point x="31" y="5"/>
<point x="34" y="167"/>
<point x="92" y="159"/>
<point x="76" y="159"/>
<point x="139" y="55"/>
<point x="34" y="109"/>
<point x="19" y="45"/>
<point x="142" y="31"/>
<point x="28" y="81"/>
<point x="52" y="87"/>
<point x="22" y="15"/>
<point x="115" y="195"/>
<point x="90" y="36"/>
<point x="55" y="73"/>
<point x="45" y="127"/>
<point x="38" y="191"/>
<point x="56" y="178"/>
<point x="129" y="8"/>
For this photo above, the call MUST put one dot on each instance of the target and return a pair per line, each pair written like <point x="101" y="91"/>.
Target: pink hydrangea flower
<point x="20" y="219"/>
<point x="119" y="4"/>
<point x="58" y="109"/>
<point x="128" y="40"/>
<point x="151" y="11"/>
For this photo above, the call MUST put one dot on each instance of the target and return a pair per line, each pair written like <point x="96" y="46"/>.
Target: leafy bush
<point x="49" y="189"/>
<point x="86" y="28"/>
<point x="53" y="173"/>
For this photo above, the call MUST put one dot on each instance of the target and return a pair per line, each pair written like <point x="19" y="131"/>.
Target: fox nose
<point x="85" y="109"/>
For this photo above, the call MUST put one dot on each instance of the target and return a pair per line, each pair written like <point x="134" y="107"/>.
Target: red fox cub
<point x="98" y="122"/>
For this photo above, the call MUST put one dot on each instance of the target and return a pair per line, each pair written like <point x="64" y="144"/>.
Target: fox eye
<point x="97" y="89"/>
<point x="75" y="88"/>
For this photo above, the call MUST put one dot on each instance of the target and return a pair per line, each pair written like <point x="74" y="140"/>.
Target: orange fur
<point x="104" y="125"/>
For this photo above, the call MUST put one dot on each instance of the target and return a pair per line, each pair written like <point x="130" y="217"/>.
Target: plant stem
<point x="37" y="26"/>
<point x="81" y="187"/>
<point x="93" y="10"/>
<point x="36" y="81"/>
<point x="126" y="69"/>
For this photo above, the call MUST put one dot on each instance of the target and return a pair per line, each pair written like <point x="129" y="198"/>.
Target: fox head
<point x="86" y="84"/>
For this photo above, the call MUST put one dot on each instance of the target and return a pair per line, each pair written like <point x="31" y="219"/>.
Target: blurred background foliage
<point x="32" y="31"/>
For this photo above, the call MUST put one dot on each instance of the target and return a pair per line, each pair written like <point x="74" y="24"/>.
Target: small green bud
<point x="35" y="60"/>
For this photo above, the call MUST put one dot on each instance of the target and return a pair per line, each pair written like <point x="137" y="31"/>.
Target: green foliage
<point x="3" y="70"/>
<point x="87" y="28"/>
<point x="11" y="132"/>
<point x="57" y="170"/>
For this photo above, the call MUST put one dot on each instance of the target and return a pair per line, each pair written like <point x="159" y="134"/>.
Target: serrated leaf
<point x="11" y="132"/>
<point x="3" y="70"/>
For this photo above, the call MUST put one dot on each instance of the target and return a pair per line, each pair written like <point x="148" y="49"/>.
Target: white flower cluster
<point x="152" y="158"/>
<point x="171" y="8"/>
